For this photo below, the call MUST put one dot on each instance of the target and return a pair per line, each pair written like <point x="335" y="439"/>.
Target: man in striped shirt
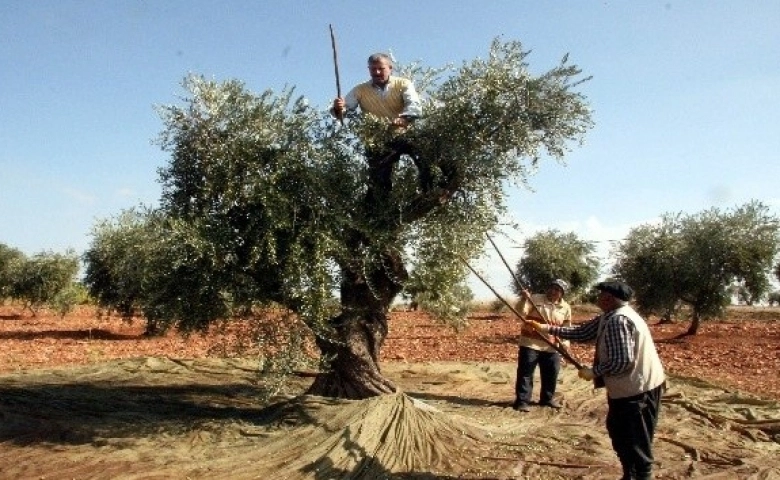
<point x="627" y="364"/>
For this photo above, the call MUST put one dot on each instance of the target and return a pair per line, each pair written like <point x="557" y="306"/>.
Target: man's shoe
<point x="522" y="407"/>
<point x="552" y="404"/>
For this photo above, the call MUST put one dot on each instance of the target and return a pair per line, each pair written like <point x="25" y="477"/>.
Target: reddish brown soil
<point x="145" y="416"/>
<point x="742" y="351"/>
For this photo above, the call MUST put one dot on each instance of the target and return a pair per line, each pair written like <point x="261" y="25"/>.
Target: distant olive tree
<point x="649" y="259"/>
<point x="125" y="263"/>
<point x="695" y="260"/>
<point x="553" y="254"/>
<point x="11" y="260"/>
<point x="66" y="300"/>
<point x="39" y="279"/>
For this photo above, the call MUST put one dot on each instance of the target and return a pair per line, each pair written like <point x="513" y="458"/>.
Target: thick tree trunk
<point x="353" y="366"/>
<point x="352" y="356"/>
<point x="694" y="327"/>
<point x="367" y="290"/>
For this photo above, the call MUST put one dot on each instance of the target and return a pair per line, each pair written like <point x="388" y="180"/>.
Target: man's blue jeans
<point x="549" y="366"/>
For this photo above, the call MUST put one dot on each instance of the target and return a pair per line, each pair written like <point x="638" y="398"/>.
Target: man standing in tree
<point x="533" y="351"/>
<point x="395" y="99"/>
<point x="627" y="363"/>
<point x="384" y="96"/>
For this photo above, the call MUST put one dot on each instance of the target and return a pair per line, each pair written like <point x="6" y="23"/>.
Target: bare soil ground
<point x="89" y="398"/>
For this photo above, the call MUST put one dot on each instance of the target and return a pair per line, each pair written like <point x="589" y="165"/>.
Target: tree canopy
<point x="552" y="254"/>
<point x="38" y="279"/>
<point x="695" y="260"/>
<point x="268" y="199"/>
<point x="10" y="259"/>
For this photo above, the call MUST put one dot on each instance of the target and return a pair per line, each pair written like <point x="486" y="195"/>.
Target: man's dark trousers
<point x="631" y="425"/>
<point x="549" y="365"/>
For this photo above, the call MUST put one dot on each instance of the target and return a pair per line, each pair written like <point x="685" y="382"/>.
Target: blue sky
<point x="685" y="97"/>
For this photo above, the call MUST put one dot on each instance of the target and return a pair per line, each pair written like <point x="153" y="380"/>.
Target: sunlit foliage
<point x="552" y="254"/>
<point x="695" y="260"/>
<point x="268" y="199"/>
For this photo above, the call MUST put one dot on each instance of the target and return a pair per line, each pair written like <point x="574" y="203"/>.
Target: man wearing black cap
<point x="627" y="364"/>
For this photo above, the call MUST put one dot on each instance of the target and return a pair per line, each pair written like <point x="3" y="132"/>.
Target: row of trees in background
<point x="696" y="262"/>
<point x="43" y="279"/>
<point x="699" y="262"/>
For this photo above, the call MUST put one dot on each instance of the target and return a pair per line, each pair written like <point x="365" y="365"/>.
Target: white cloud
<point x="79" y="196"/>
<point x="125" y="192"/>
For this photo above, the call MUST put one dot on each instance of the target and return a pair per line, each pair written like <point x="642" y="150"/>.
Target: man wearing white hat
<point x="554" y="310"/>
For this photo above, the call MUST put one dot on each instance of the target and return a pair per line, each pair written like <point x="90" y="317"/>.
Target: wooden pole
<point x="339" y="115"/>
<point x="522" y="289"/>
<point x="558" y="348"/>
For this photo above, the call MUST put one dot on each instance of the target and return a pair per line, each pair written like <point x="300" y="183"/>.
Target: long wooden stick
<point x="564" y="353"/>
<point x="520" y="287"/>
<point x="340" y="114"/>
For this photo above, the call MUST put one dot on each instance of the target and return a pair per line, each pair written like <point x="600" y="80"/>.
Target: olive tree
<point x="695" y="260"/>
<point x="649" y="259"/>
<point x="118" y="262"/>
<point x="552" y="254"/>
<point x="10" y="261"/>
<point x="267" y="199"/>
<point x="38" y="280"/>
